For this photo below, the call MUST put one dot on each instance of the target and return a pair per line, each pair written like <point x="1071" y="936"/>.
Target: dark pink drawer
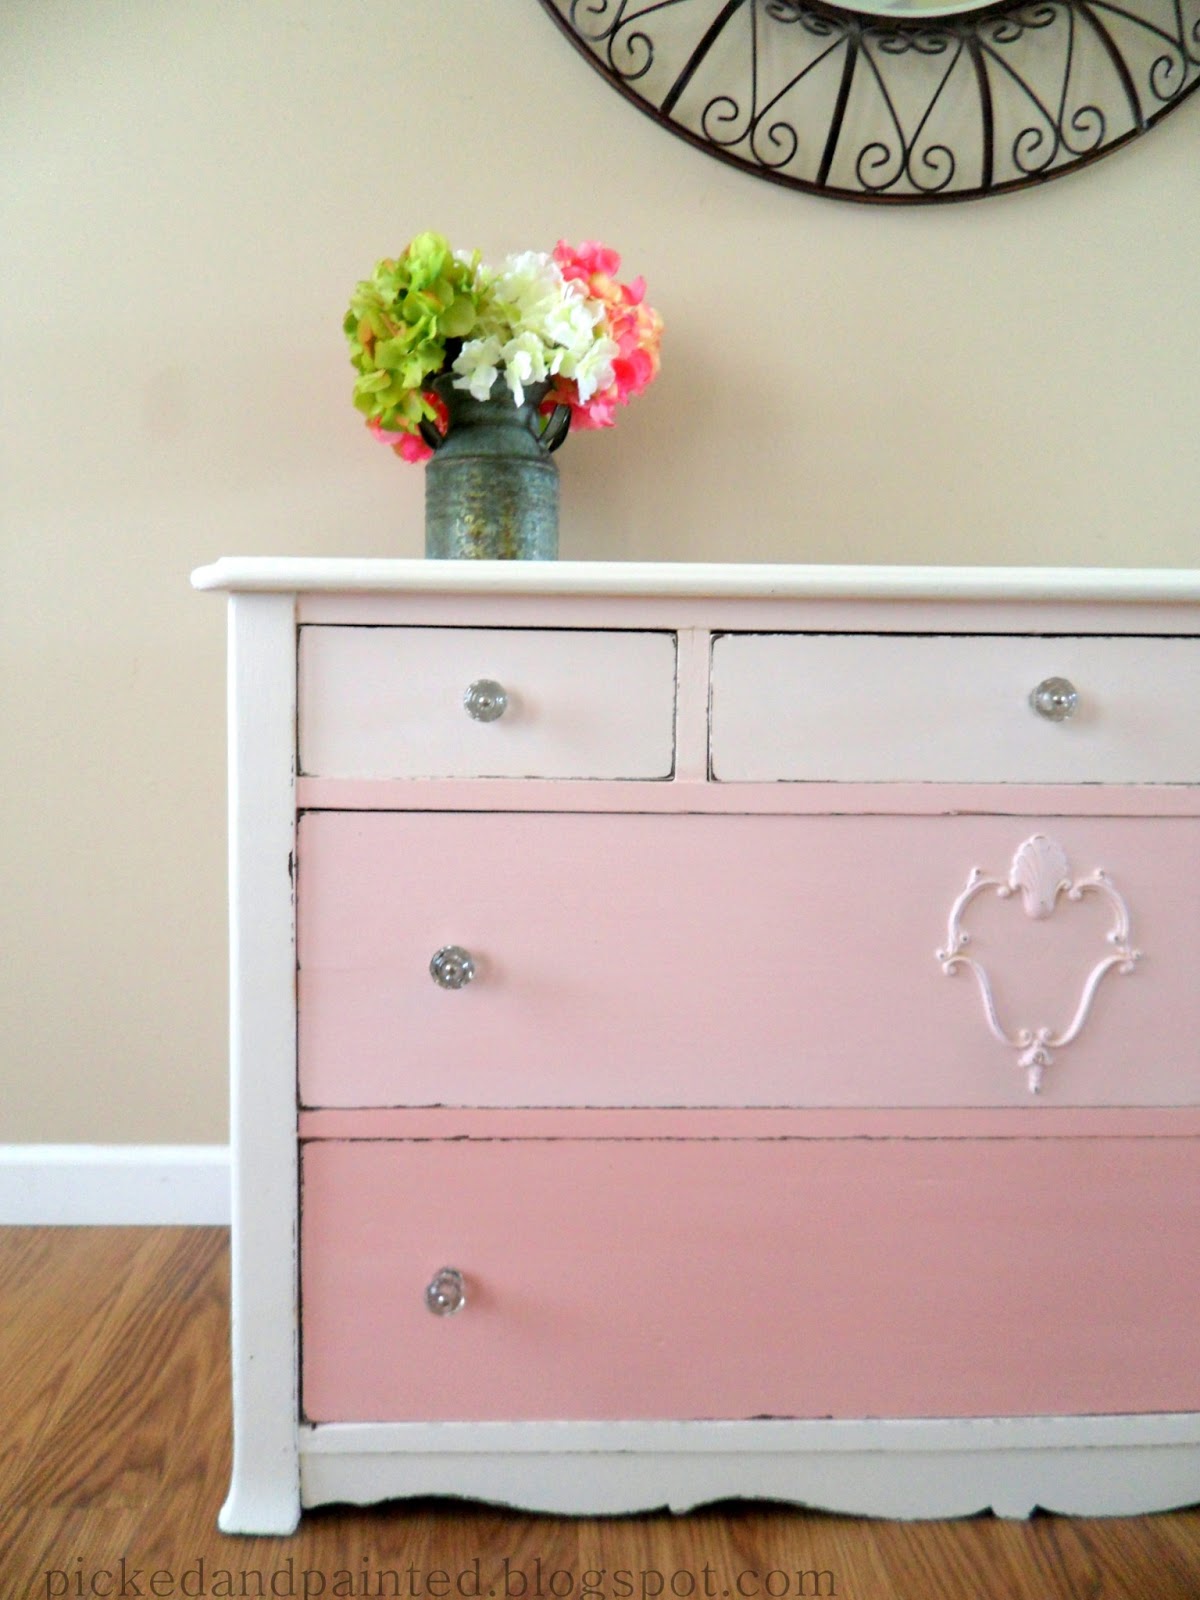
<point x="739" y="1278"/>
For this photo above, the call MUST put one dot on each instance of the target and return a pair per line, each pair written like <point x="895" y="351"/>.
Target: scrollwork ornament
<point x="1041" y="875"/>
<point x="900" y="108"/>
<point x="628" y="51"/>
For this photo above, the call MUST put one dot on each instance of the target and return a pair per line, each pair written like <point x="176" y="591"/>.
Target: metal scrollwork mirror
<point x="896" y="100"/>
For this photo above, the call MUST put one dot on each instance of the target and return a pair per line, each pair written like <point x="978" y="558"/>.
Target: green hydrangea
<point x="398" y="323"/>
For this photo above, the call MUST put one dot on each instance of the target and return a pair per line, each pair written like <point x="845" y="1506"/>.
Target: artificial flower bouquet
<point x="562" y="322"/>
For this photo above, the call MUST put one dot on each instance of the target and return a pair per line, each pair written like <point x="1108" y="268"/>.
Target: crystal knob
<point x="452" y="967"/>
<point x="446" y="1292"/>
<point x="486" y="700"/>
<point x="1056" y="699"/>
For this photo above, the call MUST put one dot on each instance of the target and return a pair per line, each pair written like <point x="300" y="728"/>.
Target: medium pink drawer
<point x="738" y="1278"/>
<point x="738" y="960"/>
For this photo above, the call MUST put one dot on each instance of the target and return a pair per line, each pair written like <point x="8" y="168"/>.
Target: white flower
<point x="530" y="288"/>
<point x="478" y="366"/>
<point x="524" y="358"/>
<point x="533" y="324"/>
<point x="572" y="322"/>
<point x="536" y="298"/>
<point x="592" y="369"/>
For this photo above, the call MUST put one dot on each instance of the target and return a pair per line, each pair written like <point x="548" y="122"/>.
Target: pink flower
<point x="411" y="446"/>
<point x="587" y="260"/>
<point x="635" y="328"/>
<point x="633" y="372"/>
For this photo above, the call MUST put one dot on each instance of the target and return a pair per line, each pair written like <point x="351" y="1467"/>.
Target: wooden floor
<point x="113" y="1390"/>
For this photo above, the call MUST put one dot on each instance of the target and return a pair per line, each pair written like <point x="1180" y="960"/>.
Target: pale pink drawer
<point x="750" y="1278"/>
<point x="953" y="709"/>
<point x="739" y="960"/>
<point x="391" y="703"/>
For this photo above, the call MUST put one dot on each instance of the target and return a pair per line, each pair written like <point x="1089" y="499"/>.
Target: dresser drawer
<point x="384" y="702"/>
<point x="743" y="960"/>
<point x="953" y="708"/>
<point x="748" y="1278"/>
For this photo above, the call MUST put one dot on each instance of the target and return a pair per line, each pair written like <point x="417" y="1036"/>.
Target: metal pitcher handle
<point x="557" y="426"/>
<point x="433" y="437"/>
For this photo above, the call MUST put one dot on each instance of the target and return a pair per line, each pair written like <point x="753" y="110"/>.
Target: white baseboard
<point x="114" y="1184"/>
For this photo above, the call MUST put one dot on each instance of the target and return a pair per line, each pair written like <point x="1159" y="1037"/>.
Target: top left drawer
<point x="394" y="702"/>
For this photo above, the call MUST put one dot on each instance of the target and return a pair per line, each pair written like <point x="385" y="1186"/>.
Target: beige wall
<point x="187" y="194"/>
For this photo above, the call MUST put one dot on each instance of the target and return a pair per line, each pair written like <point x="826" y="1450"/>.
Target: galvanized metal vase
<point x="491" y="489"/>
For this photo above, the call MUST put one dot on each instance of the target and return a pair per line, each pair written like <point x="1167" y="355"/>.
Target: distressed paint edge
<point x="591" y="1123"/>
<point x="783" y="797"/>
<point x="724" y="1436"/>
<point x="754" y="614"/>
<point x="119" y="1185"/>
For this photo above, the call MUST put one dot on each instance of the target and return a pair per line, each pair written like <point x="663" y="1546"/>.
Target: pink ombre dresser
<point x="714" y="1030"/>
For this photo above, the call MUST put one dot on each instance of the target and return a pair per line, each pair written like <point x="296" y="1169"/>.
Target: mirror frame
<point x="902" y="107"/>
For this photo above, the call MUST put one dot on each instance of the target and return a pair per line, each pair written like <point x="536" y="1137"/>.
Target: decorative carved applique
<point x="1041" y="874"/>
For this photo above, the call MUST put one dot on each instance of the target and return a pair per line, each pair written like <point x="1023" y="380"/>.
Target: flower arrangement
<point x="561" y="319"/>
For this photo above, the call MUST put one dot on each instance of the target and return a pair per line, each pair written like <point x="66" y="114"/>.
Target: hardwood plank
<point x="35" y="1263"/>
<point x="114" y="1390"/>
<point x="122" y="1382"/>
<point x="42" y="1554"/>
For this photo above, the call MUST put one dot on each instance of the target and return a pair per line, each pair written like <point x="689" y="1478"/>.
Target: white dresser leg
<point x="264" y="1496"/>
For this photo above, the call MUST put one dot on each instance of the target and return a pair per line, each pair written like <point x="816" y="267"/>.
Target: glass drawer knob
<point x="1056" y="699"/>
<point x="446" y="1292"/>
<point x="486" y="700"/>
<point x="452" y="967"/>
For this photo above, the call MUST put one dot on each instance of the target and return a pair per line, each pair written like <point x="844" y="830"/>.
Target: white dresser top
<point x="718" y="580"/>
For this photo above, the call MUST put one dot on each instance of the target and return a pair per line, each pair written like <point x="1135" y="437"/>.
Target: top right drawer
<point x="954" y="708"/>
